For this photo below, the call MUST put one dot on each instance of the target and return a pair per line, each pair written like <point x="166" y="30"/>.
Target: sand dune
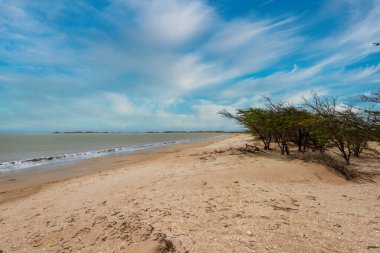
<point x="193" y="199"/>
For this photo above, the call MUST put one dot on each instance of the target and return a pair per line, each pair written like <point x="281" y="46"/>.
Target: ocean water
<point x="25" y="151"/>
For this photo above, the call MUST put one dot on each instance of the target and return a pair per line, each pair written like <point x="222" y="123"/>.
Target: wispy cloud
<point x="177" y="61"/>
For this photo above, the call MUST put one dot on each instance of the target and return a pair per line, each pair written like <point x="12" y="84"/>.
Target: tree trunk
<point x="281" y="147"/>
<point x="300" y="138"/>
<point x="286" y="148"/>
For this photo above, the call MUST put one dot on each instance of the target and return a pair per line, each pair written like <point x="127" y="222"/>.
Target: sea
<point x="33" y="151"/>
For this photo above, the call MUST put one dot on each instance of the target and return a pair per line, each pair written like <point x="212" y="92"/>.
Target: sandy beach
<point x="198" y="197"/>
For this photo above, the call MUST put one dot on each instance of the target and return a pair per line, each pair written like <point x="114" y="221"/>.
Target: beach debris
<point x="336" y="165"/>
<point x="286" y="209"/>
<point x="166" y="245"/>
<point x="251" y="149"/>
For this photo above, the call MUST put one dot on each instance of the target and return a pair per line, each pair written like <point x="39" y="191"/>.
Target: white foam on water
<point x="11" y="166"/>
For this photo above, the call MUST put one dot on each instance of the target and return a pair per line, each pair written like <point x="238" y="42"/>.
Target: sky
<point x="141" y="65"/>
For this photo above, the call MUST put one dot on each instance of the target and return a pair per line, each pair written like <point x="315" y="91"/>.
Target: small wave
<point x="51" y="160"/>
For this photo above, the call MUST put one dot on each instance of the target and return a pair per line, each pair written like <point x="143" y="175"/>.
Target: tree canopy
<point x="318" y="123"/>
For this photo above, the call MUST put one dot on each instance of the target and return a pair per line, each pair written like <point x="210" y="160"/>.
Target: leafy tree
<point x="258" y="121"/>
<point x="289" y="124"/>
<point x="320" y="123"/>
<point x="373" y="116"/>
<point x="277" y="122"/>
<point x="347" y="128"/>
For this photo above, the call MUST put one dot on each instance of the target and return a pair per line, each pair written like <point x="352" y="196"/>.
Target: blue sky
<point x="134" y="65"/>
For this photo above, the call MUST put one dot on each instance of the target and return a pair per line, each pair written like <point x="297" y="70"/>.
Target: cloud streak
<point x="115" y="65"/>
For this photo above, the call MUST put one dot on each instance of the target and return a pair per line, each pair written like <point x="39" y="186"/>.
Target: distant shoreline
<point x="149" y="132"/>
<point x="21" y="183"/>
<point x="73" y="146"/>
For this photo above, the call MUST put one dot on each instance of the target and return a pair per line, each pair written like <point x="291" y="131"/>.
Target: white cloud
<point x="297" y="97"/>
<point x="144" y="35"/>
<point x="190" y="73"/>
<point x="369" y="74"/>
<point x="161" y="52"/>
<point x="330" y="58"/>
<point x="171" y="22"/>
<point x="247" y="46"/>
<point x="204" y="116"/>
<point x="121" y="105"/>
<point x="364" y="29"/>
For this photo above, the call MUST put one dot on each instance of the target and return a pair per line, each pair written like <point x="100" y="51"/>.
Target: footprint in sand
<point x="310" y="197"/>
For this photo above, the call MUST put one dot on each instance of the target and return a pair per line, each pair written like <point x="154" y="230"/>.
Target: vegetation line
<point x="319" y="124"/>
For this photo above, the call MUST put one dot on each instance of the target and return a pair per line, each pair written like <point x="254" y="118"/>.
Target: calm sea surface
<point x="24" y="151"/>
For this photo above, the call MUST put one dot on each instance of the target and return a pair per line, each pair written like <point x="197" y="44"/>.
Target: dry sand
<point x="198" y="200"/>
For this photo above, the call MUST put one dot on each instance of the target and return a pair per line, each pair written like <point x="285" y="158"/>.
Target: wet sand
<point x="26" y="182"/>
<point x="196" y="198"/>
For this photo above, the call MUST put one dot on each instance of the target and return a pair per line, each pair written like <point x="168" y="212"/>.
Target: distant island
<point x="82" y="132"/>
<point x="149" y="132"/>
